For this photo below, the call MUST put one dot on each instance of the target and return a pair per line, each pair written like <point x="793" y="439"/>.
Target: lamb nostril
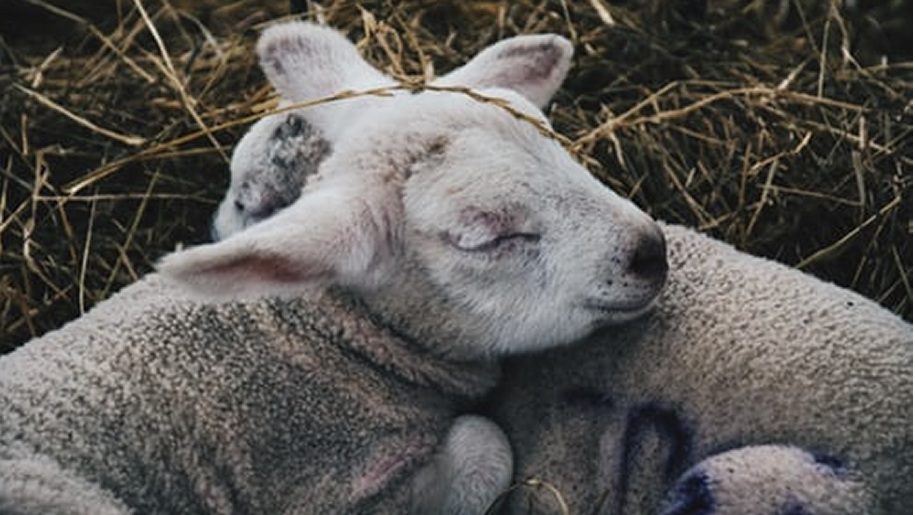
<point x="239" y="206"/>
<point x="649" y="260"/>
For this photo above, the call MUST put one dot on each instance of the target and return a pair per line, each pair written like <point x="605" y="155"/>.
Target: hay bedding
<point x="783" y="126"/>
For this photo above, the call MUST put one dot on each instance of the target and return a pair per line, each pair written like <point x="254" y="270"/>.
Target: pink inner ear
<point x="536" y="63"/>
<point x="258" y="268"/>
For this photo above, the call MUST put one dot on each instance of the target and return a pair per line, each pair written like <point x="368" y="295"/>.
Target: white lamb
<point x="441" y="234"/>
<point x="753" y="389"/>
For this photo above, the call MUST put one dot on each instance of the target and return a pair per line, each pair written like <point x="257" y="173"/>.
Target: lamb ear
<point x="304" y="61"/>
<point x="331" y="235"/>
<point x="532" y="65"/>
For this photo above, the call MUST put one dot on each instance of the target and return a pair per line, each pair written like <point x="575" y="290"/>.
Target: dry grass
<point x="786" y="132"/>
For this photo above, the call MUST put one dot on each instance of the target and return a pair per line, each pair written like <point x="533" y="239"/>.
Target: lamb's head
<point x="456" y="222"/>
<point x="279" y="153"/>
<point x="270" y="164"/>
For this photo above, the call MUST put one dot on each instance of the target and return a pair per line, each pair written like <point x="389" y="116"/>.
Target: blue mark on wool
<point x="795" y="508"/>
<point x="691" y="496"/>
<point x="672" y="429"/>
<point x="834" y="465"/>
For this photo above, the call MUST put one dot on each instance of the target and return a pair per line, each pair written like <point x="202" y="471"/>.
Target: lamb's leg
<point x="37" y="485"/>
<point x="768" y="480"/>
<point x="469" y="473"/>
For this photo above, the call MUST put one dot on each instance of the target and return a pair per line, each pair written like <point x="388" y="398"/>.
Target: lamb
<point x="752" y="389"/>
<point x="322" y="363"/>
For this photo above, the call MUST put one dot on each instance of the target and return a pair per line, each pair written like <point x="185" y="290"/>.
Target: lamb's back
<point x="179" y="405"/>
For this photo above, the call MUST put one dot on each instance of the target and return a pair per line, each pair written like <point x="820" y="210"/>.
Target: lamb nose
<point x="649" y="260"/>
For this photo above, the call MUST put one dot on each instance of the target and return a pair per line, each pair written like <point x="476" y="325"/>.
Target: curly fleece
<point x="162" y="404"/>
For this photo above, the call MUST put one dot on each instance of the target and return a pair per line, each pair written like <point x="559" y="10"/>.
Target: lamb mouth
<point x="629" y="308"/>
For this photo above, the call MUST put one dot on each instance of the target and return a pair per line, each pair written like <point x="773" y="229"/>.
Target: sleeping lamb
<point x="441" y="234"/>
<point x="765" y="391"/>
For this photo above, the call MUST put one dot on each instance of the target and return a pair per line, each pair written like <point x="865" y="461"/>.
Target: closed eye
<point x="501" y="241"/>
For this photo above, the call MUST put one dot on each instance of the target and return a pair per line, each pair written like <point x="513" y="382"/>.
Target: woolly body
<point x="172" y="405"/>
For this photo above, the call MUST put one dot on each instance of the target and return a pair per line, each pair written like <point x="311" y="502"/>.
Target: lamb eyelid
<point x="499" y="240"/>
